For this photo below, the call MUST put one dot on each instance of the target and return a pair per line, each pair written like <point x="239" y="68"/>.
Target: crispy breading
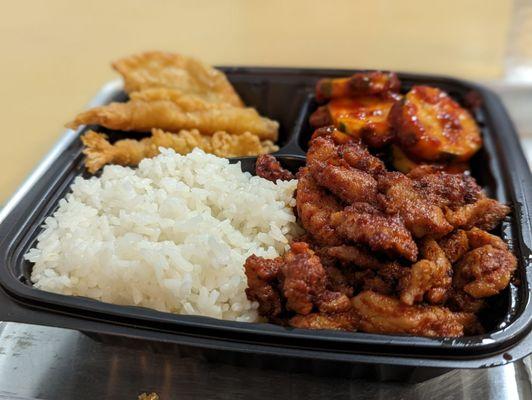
<point x="314" y="208"/>
<point x="444" y="189"/>
<point x="429" y="278"/>
<point x="156" y="69"/>
<point x="485" y="271"/>
<point x="359" y="157"/>
<point x="304" y="283"/>
<point x="263" y="286"/>
<point x="345" y="321"/>
<point x="431" y="126"/>
<point x="364" y="224"/>
<point x="420" y="216"/>
<point x="129" y="152"/>
<point x="349" y="184"/>
<point x="478" y="238"/>
<point x="485" y="214"/>
<point x="176" y="113"/>
<point x="268" y="167"/>
<point x="384" y="314"/>
<point x="353" y="255"/>
<point x="454" y="245"/>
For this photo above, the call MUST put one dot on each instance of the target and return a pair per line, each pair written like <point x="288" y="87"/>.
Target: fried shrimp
<point x="175" y="113"/>
<point x="129" y="152"/>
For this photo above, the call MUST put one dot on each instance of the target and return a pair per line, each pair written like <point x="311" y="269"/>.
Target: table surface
<point x="51" y="363"/>
<point x="56" y="54"/>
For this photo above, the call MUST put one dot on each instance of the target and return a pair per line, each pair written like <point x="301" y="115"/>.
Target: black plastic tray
<point x="287" y="96"/>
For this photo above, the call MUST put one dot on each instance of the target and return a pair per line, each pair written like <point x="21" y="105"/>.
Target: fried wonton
<point x="156" y="69"/>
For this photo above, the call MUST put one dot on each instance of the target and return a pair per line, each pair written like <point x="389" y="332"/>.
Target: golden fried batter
<point x="349" y="184"/>
<point x="358" y="157"/>
<point x="384" y="314"/>
<point x="485" y="271"/>
<point x="485" y="214"/>
<point x="176" y="113"/>
<point x="429" y="278"/>
<point x="346" y="321"/>
<point x="157" y="69"/>
<point x="454" y="245"/>
<point x="314" y="208"/>
<point x="131" y="152"/>
<point x="478" y="238"/>
<point x="431" y="126"/>
<point x="359" y="84"/>
<point x="353" y="255"/>
<point x="364" y="224"/>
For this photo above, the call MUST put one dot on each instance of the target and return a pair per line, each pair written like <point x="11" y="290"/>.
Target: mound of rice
<point x="172" y="235"/>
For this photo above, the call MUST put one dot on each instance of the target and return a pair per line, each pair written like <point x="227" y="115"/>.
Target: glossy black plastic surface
<point x="286" y="95"/>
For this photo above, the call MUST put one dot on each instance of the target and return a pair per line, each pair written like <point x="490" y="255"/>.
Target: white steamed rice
<point x="171" y="235"/>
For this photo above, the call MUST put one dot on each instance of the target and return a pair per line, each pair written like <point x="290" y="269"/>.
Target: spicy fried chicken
<point x="386" y="251"/>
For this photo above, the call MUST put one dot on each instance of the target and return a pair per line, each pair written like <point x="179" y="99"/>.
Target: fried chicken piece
<point x="304" y="283"/>
<point x="130" y="152"/>
<point x="454" y="245"/>
<point x="444" y="189"/>
<point x="346" y="321"/>
<point x="429" y="278"/>
<point x="458" y="300"/>
<point x="420" y="216"/>
<point x="158" y="69"/>
<point x="349" y="184"/>
<point x="364" y="118"/>
<point x="375" y="283"/>
<point x="314" y="207"/>
<point x="262" y="275"/>
<point x="336" y="280"/>
<point x="431" y="126"/>
<point x="485" y="214"/>
<point x="485" y="271"/>
<point x="386" y="279"/>
<point x="384" y="314"/>
<point x="323" y="149"/>
<point x="364" y="224"/>
<point x="359" y="157"/>
<point x="353" y="255"/>
<point x="359" y="84"/>
<point x="269" y="168"/>
<point x="478" y="238"/>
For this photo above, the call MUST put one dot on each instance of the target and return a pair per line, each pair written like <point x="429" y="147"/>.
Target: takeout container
<point x="286" y="95"/>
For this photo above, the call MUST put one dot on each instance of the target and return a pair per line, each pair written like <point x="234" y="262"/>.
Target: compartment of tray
<point x="23" y="303"/>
